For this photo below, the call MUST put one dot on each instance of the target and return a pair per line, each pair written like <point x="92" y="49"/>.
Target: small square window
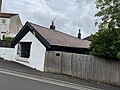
<point x="24" y="49"/>
<point x="3" y="21"/>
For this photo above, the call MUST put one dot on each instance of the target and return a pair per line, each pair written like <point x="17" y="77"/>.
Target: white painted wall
<point x="11" y="26"/>
<point x="37" y="53"/>
<point x="7" y="53"/>
<point x="4" y="27"/>
<point x="15" y="25"/>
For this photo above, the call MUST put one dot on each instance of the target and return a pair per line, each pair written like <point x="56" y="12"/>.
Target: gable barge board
<point x="19" y="36"/>
<point x="24" y="31"/>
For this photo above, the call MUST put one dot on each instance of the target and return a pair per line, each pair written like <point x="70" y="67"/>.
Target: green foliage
<point x="8" y="39"/>
<point x="109" y="13"/>
<point x="106" y="42"/>
<point x="118" y="55"/>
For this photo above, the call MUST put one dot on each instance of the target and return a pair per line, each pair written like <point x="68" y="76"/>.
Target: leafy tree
<point x="106" y="42"/>
<point x="109" y="13"/>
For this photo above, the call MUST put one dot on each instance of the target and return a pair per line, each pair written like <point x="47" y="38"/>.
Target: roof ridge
<point x="37" y="25"/>
<point x="56" y="31"/>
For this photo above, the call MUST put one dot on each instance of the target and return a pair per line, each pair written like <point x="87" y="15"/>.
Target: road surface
<point x="9" y="82"/>
<point x="12" y="80"/>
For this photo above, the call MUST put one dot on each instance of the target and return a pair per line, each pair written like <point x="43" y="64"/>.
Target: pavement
<point x="13" y="66"/>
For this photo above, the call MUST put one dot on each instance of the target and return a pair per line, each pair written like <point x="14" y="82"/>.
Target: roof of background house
<point x="51" y="38"/>
<point x="7" y="15"/>
<point x="88" y="38"/>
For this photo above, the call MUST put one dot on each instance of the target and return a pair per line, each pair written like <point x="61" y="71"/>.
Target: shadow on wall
<point x="4" y="44"/>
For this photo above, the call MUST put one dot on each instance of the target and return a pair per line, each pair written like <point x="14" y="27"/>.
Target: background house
<point x="10" y="24"/>
<point x="89" y="38"/>
<point x="33" y="41"/>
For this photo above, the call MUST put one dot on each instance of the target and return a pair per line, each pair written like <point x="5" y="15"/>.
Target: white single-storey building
<point x="33" y="41"/>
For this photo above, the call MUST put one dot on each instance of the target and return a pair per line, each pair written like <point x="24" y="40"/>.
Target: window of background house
<point x="24" y="49"/>
<point x="3" y="37"/>
<point x="3" y="21"/>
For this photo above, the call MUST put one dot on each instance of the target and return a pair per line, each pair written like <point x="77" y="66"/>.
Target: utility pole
<point x="0" y="5"/>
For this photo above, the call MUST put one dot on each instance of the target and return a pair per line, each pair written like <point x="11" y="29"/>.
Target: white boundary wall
<point x="7" y="53"/>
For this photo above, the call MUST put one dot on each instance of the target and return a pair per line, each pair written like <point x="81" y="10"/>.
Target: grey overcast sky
<point x="70" y="14"/>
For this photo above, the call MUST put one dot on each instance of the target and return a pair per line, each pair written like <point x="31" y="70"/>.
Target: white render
<point x="10" y="27"/>
<point x="37" y="53"/>
<point x="7" y="53"/>
<point x="4" y="27"/>
<point x="15" y="25"/>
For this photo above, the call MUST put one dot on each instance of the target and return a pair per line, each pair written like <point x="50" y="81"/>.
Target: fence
<point x="83" y="66"/>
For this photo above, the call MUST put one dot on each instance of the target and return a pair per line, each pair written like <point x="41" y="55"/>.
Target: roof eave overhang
<point x="80" y="50"/>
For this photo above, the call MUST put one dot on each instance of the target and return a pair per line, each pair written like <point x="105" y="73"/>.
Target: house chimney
<point x="52" y="26"/>
<point x="79" y="34"/>
<point x="0" y="5"/>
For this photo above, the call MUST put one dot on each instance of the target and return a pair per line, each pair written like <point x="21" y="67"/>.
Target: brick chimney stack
<point x="0" y="5"/>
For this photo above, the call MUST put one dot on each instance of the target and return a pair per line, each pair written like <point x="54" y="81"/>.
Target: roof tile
<point x="58" y="38"/>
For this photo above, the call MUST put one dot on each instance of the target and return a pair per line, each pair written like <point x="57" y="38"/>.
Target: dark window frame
<point x="24" y="49"/>
<point x="3" y="37"/>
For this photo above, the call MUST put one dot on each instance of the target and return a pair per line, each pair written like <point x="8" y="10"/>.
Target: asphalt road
<point x="14" y="76"/>
<point x="9" y="82"/>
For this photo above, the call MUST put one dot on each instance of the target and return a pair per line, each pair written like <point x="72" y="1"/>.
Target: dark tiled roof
<point x="88" y="38"/>
<point x="7" y="15"/>
<point x="58" y="38"/>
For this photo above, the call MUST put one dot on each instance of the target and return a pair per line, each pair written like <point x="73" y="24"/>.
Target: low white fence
<point x="7" y="53"/>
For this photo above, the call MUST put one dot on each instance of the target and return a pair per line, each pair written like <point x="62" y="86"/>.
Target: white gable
<point x="37" y="52"/>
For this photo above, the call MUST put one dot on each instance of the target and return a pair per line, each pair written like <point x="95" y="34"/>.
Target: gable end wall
<point x="37" y="52"/>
